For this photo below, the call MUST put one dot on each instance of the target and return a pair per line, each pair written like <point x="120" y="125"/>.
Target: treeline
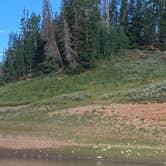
<point x="84" y="30"/>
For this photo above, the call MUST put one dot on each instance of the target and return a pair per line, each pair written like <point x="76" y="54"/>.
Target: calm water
<point x="15" y="162"/>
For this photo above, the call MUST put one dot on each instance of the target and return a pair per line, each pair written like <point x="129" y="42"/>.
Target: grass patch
<point x="138" y="69"/>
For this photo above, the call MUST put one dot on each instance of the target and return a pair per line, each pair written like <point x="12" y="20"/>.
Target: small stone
<point x="99" y="157"/>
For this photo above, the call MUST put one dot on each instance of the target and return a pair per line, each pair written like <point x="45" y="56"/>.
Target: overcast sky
<point x="11" y="12"/>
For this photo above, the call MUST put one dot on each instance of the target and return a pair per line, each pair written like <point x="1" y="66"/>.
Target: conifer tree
<point x="162" y="24"/>
<point x="19" y="56"/>
<point x="148" y="23"/>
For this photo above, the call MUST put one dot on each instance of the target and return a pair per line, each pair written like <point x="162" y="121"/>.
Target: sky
<point x="11" y="12"/>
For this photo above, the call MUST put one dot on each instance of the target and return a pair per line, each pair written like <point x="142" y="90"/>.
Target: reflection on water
<point x="15" y="162"/>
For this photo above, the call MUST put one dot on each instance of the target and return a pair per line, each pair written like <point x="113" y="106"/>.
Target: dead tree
<point x="51" y="48"/>
<point x="106" y="13"/>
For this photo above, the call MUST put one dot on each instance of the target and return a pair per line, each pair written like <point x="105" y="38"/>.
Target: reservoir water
<point x="16" y="162"/>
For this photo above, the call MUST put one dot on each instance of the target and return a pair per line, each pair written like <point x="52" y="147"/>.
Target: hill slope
<point x="140" y="76"/>
<point x="40" y="113"/>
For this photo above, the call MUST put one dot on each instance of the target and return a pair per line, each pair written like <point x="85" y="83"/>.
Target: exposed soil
<point x="26" y="142"/>
<point x="137" y="114"/>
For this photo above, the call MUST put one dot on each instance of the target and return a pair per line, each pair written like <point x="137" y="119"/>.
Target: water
<point x="15" y="162"/>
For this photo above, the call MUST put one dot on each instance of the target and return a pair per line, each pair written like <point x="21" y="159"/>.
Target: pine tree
<point x="9" y="66"/>
<point x="148" y="23"/>
<point x="10" y="57"/>
<point x="162" y="24"/>
<point x="19" y="59"/>
<point x="83" y="17"/>
<point x="69" y="52"/>
<point x="88" y="22"/>
<point x="33" y="39"/>
<point x="137" y="24"/>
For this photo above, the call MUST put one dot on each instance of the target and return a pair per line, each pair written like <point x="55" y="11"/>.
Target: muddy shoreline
<point x="54" y="154"/>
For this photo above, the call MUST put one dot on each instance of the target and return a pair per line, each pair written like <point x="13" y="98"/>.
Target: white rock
<point x="99" y="157"/>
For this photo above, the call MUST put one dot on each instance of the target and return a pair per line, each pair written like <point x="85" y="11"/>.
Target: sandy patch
<point x="137" y="114"/>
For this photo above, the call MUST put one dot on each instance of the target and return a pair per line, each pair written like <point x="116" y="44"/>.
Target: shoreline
<point x="55" y="154"/>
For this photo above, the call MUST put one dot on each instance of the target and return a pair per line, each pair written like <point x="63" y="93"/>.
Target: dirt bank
<point x="136" y="114"/>
<point x="139" y="115"/>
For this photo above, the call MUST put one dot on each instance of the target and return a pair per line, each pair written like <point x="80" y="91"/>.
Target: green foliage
<point x="46" y="67"/>
<point x="135" y="23"/>
<point x="25" y="51"/>
<point x="2" y="81"/>
<point x="109" y="80"/>
<point x="113" y="41"/>
<point x="118" y="40"/>
<point x="162" y="24"/>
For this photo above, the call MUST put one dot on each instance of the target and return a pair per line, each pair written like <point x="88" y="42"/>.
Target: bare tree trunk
<point x="52" y="49"/>
<point x="106" y="12"/>
<point x="124" y="12"/>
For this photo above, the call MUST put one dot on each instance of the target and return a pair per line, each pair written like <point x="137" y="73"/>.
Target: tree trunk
<point x="124" y="9"/>
<point x="106" y="13"/>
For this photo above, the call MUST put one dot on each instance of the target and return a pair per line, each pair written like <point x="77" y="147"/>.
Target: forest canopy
<point x="83" y="30"/>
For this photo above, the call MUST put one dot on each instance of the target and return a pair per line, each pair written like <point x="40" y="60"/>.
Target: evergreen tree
<point x="137" y="26"/>
<point x="9" y="66"/>
<point x="88" y="21"/>
<point x="148" y="23"/>
<point x="19" y="56"/>
<point x="69" y="52"/>
<point x="32" y="41"/>
<point x="162" y="24"/>
<point x="83" y="17"/>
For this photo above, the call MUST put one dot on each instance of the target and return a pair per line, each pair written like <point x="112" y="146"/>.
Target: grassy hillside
<point x="100" y="130"/>
<point x="140" y="76"/>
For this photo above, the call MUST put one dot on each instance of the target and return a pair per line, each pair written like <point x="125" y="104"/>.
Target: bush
<point x="152" y="92"/>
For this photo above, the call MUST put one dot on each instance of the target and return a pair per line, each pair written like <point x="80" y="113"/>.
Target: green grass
<point x="130" y="75"/>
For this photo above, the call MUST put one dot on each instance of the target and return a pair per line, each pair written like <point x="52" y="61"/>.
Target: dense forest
<point x="84" y="30"/>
